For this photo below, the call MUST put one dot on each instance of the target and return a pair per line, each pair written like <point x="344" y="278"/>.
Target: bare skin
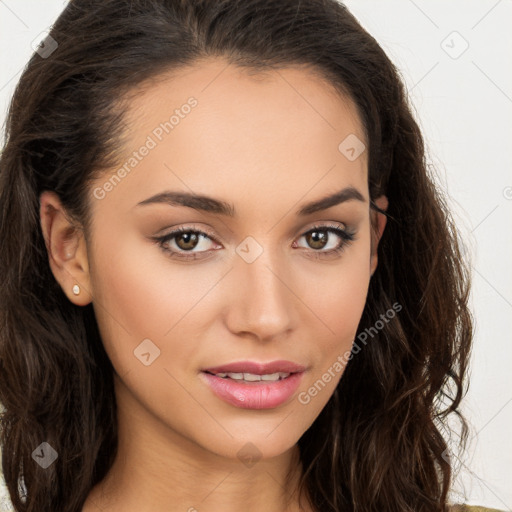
<point x="267" y="145"/>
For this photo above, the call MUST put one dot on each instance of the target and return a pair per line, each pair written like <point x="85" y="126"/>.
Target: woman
<point x="227" y="277"/>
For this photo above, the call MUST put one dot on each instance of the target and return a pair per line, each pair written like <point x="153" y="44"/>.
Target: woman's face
<point x="255" y="279"/>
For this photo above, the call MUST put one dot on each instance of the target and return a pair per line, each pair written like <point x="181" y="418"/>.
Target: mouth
<point x="250" y="378"/>
<point x="251" y="385"/>
<point x="257" y="369"/>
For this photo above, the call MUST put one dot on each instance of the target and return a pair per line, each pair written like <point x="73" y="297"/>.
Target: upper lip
<point x="257" y="368"/>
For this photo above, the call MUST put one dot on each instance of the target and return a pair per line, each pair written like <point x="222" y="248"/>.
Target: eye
<point x="188" y="243"/>
<point x="318" y="238"/>
<point x="184" y="240"/>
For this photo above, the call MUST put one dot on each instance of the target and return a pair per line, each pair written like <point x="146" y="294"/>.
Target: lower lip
<point x="254" y="395"/>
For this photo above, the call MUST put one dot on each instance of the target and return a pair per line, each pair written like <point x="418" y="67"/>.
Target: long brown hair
<point x="378" y="444"/>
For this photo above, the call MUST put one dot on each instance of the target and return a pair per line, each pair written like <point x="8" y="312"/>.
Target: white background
<point x="463" y="102"/>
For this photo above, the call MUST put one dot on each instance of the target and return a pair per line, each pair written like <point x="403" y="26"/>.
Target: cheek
<point x="337" y="294"/>
<point x="338" y="301"/>
<point x="341" y="303"/>
<point x="340" y="307"/>
<point x="140" y="295"/>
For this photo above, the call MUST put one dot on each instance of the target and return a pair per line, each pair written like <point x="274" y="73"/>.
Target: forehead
<point x="217" y="84"/>
<point x="219" y="129"/>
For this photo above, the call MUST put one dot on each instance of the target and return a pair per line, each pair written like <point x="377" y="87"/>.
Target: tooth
<point x="251" y="377"/>
<point x="270" y="376"/>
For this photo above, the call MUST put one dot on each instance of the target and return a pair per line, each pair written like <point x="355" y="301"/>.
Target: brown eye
<point x="181" y="243"/>
<point x="317" y="239"/>
<point x="187" y="241"/>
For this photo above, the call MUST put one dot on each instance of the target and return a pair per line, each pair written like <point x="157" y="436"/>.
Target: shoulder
<point x="471" y="508"/>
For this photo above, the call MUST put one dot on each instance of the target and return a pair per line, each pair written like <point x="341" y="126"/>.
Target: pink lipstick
<point x="252" y="385"/>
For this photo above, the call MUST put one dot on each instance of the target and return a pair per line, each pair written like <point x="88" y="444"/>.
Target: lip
<point x="254" y="395"/>
<point x="257" y="368"/>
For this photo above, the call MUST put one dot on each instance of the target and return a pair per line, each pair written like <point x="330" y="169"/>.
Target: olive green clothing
<point x="473" y="508"/>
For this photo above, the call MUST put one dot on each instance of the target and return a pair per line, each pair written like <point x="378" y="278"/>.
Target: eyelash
<point x="347" y="237"/>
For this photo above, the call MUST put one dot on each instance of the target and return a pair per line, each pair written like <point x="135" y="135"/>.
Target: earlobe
<point x="65" y="245"/>
<point x="378" y="221"/>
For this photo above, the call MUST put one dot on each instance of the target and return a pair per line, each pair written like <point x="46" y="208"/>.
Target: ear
<point x="66" y="247"/>
<point x="378" y="223"/>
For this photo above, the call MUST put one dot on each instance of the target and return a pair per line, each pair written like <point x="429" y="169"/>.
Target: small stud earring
<point x="76" y="289"/>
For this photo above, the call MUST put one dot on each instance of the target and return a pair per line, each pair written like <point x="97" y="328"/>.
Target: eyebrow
<point x="219" y="207"/>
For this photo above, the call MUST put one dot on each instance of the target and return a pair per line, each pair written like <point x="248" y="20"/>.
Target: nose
<point x="262" y="301"/>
